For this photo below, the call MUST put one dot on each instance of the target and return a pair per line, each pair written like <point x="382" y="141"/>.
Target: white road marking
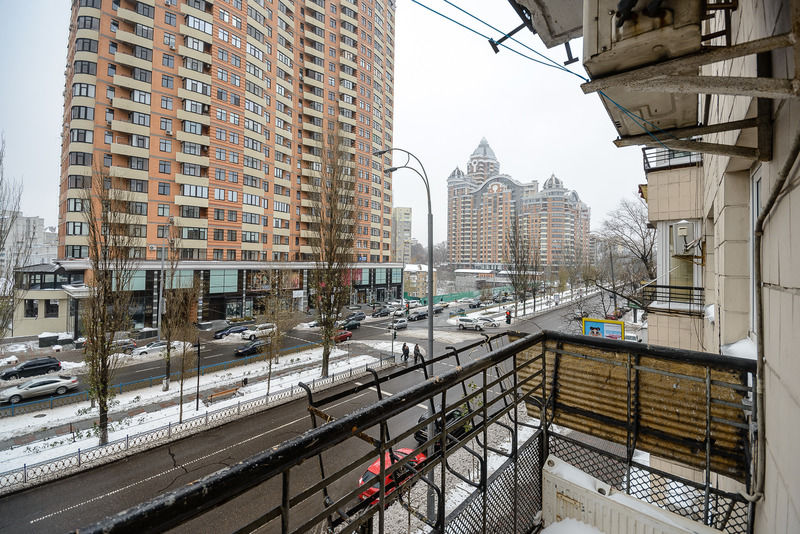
<point x="177" y="467"/>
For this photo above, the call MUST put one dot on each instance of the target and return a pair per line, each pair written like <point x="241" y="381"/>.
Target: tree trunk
<point x="326" y="353"/>
<point x="167" y="369"/>
<point x="103" y="422"/>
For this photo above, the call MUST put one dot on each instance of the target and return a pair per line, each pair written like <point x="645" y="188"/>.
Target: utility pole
<point x="613" y="279"/>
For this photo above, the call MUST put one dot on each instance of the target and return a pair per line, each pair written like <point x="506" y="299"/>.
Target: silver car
<point x="46" y="385"/>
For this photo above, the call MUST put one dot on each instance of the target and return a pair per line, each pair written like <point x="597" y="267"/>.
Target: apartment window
<point x="169" y="40"/>
<point x="88" y="23"/>
<point x="164" y="167"/>
<point x="32" y="308"/>
<point x="165" y="145"/>
<point x="143" y="53"/>
<point x="231" y="235"/>
<point x="170" y="18"/>
<point x="219" y="214"/>
<point x="137" y="186"/>
<point x="217" y="255"/>
<point x="145" y="10"/>
<point x="82" y="112"/>
<point x="80" y="158"/>
<point x="219" y="234"/>
<point x="163" y="188"/>
<point x="50" y="308"/>
<point x="85" y="67"/>
<point x="167" y="81"/>
<point x="140" y="164"/>
<point x="142" y="75"/>
<point x="231" y="255"/>
<point x="83" y="89"/>
<point x="112" y="48"/>
<point x="168" y="60"/>
<point x="81" y="136"/>
<point x="86" y="45"/>
<point x="110" y="92"/>
<point x="163" y="210"/>
<point x="76" y="181"/>
<point x="166" y="103"/>
<point x="141" y="119"/>
<point x="166" y="124"/>
<point x="232" y="215"/>
<point x="106" y="160"/>
<point x="144" y="31"/>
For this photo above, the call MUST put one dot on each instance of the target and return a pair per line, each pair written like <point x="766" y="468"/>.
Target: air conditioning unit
<point x="569" y="493"/>
<point x="673" y="31"/>
<point x="169" y="132"/>
<point x="172" y="47"/>
<point x="682" y="233"/>
<point x="108" y="123"/>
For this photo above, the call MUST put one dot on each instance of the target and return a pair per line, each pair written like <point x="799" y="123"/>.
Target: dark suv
<point x="356" y="316"/>
<point x="37" y="366"/>
<point x="453" y="415"/>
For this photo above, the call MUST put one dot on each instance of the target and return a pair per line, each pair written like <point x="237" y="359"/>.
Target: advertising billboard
<point x="603" y="328"/>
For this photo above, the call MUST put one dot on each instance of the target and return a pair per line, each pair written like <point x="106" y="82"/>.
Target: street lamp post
<point x="424" y="176"/>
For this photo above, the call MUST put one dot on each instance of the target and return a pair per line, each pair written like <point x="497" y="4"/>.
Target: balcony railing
<point x="592" y="402"/>
<point x="674" y="299"/>
<point x="660" y="158"/>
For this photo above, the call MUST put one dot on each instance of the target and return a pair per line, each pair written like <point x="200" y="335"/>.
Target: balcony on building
<point x="585" y="428"/>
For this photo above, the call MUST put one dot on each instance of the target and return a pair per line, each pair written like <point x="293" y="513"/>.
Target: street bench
<point x="220" y="394"/>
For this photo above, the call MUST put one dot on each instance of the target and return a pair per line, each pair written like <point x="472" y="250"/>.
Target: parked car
<point x="488" y="321"/>
<point x="155" y="347"/>
<point x="357" y="316"/>
<point x="34" y="367"/>
<point x="468" y="323"/>
<point x="254" y="347"/>
<point x="237" y="329"/>
<point x="383" y="312"/>
<point x="413" y="304"/>
<point x="453" y="415"/>
<point x="399" y="312"/>
<point x="260" y="330"/>
<point x="437" y="309"/>
<point x="342" y="335"/>
<point x="350" y="324"/>
<point x="398" y="324"/>
<point x="475" y="304"/>
<point x="123" y="345"/>
<point x="369" y="480"/>
<point x="418" y="314"/>
<point x="38" y="387"/>
<point x="354" y="307"/>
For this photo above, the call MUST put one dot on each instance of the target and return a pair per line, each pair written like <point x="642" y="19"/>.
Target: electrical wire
<point x="640" y="121"/>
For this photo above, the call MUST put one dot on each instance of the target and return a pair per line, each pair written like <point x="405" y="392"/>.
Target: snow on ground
<point x="72" y="366"/>
<point x="66" y="444"/>
<point x="570" y="526"/>
<point x="18" y="347"/>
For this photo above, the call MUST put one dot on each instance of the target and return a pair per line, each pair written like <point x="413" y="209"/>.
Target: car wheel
<point x="461" y="327"/>
<point x="13" y="377"/>
<point x="143" y="353"/>
<point x="15" y="399"/>
<point x="252" y="338"/>
<point x="479" y="328"/>
<point x="61" y="390"/>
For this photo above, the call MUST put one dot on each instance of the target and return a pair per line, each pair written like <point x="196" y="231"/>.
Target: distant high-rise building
<point x="212" y="116"/>
<point x="482" y="202"/>
<point x="28" y="242"/>
<point x="401" y="235"/>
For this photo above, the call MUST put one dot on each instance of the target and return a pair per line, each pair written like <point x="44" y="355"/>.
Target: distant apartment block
<point x="28" y="241"/>
<point x="481" y="204"/>
<point x="401" y="235"/>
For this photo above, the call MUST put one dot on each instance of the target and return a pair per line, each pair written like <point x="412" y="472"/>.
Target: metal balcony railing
<point x="675" y="299"/>
<point x="590" y="401"/>
<point x="660" y="158"/>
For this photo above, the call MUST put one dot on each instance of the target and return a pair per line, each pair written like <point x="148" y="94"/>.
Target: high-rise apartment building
<point x="212" y="116"/>
<point x="401" y="235"/>
<point x="482" y="202"/>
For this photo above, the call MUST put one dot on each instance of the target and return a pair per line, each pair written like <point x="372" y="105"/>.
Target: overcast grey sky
<point x="450" y="90"/>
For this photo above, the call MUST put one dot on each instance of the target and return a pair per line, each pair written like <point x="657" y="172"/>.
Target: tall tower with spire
<point x="483" y="164"/>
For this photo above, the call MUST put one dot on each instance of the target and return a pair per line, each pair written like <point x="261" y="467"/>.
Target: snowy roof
<point x="417" y="267"/>
<point x="484" y="150"/>
<point x="474" y="271"/>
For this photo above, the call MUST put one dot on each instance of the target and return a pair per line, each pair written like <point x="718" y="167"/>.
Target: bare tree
<point x="15" y="243"/>
<point x="277" y="309"/>
<point x="439" y="253"/>
<point x="111" y="250"/>
<point x="333" y="215"/>
<point x="627" y="228"/>
<point x="183" y="299"/>
<point x="519" y="260"/>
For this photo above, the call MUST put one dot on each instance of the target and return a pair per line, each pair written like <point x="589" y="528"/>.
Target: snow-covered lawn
<point x="122" y="425"/>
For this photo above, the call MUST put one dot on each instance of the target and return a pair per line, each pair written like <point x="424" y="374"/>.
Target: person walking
<point x="405" y="352"/>
<point x="417" y="353"/>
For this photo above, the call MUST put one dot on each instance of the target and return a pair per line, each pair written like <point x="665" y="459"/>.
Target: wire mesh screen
<point x="728" y="512"/>
<point x="503" y="489"/>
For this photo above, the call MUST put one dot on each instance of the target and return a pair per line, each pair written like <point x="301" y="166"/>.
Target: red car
<point x="370" y="476"/>
<point x="342" y="335"/>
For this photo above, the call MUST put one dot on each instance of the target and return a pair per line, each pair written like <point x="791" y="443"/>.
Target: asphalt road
<point x="89" y="496"/>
